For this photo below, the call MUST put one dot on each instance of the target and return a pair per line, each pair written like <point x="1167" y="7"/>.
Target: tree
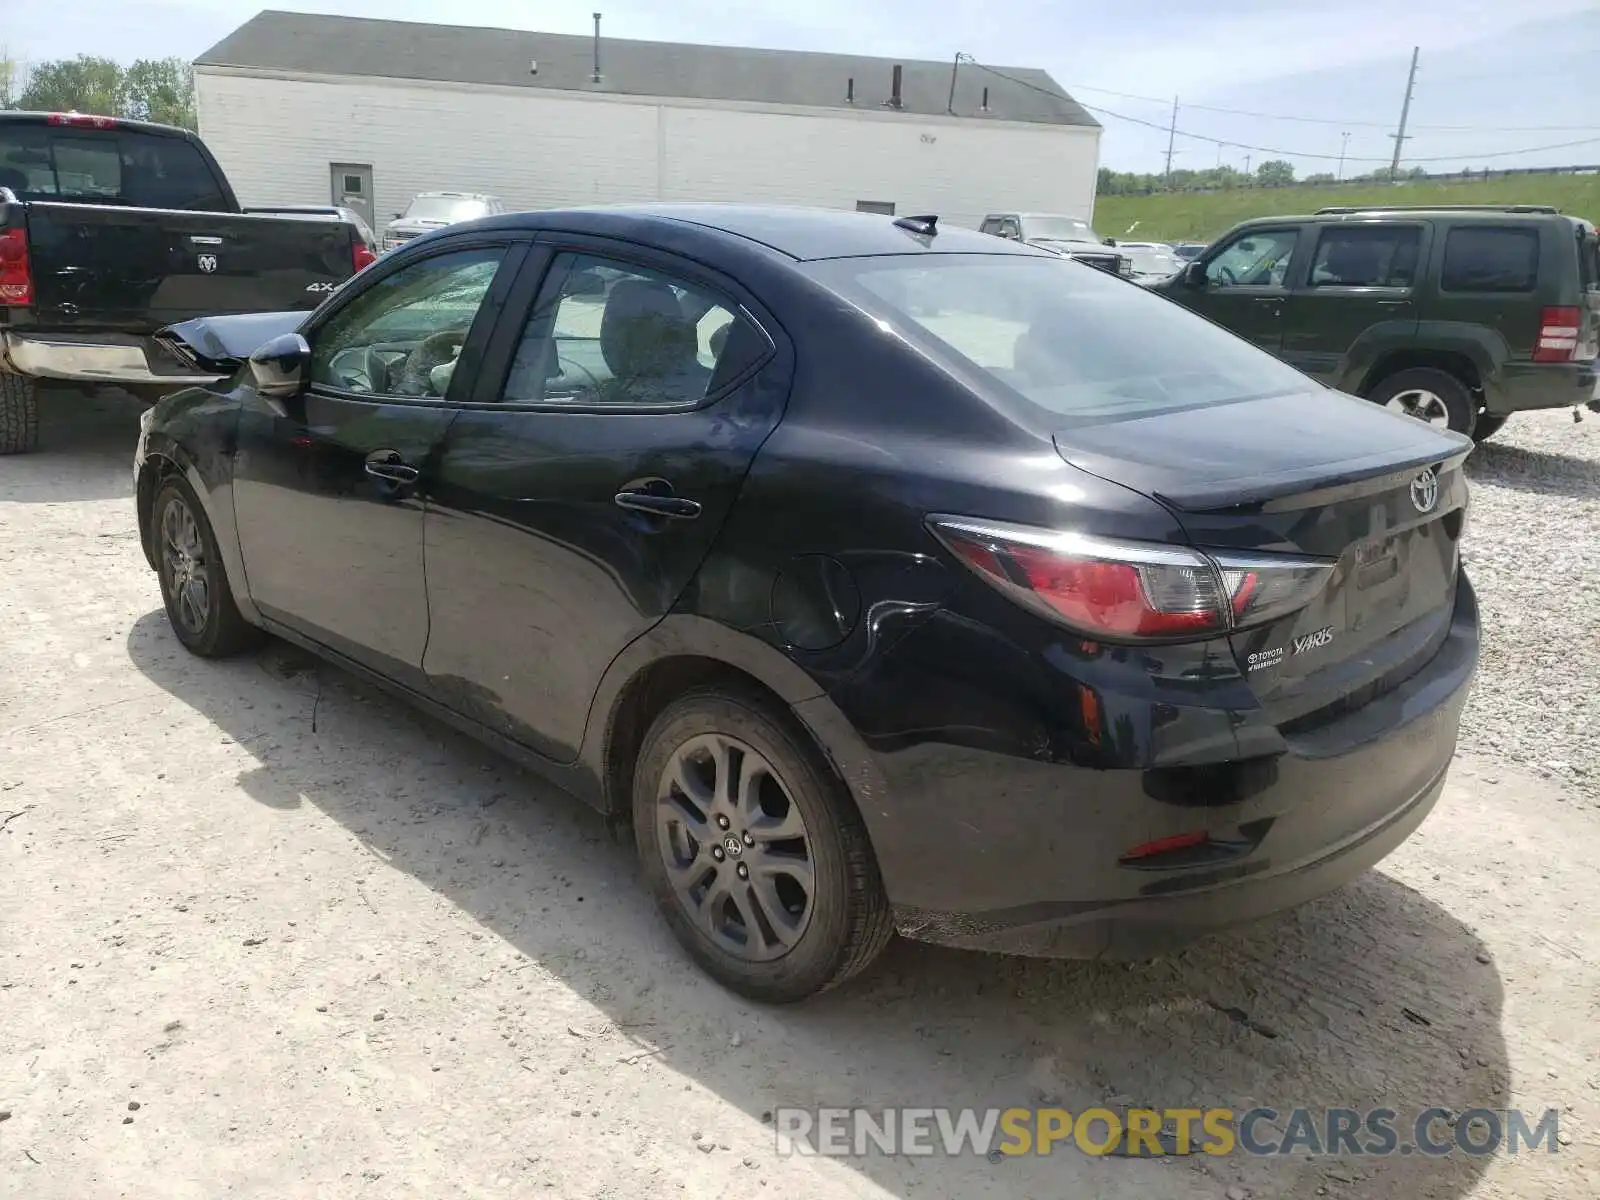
<point x="84" y="84"/>
<point x="160" y="90"/>
<point x="1275" y="173"/>
<point x="1320" y="177"/>
<point x="10" y="79"/>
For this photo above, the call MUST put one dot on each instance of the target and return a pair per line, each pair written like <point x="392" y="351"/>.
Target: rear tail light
<point x="1131" y="591"/>
<point x="16" y="276"/>
<point x="82" y="120"/>
<point x="362" y="256"/>
<point x="1559" y="328"/>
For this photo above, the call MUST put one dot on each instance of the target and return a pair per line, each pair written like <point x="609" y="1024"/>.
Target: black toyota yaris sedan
<point x="883" y="575"/>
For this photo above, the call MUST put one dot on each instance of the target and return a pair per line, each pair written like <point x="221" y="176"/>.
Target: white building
<point x="316" y="109"/>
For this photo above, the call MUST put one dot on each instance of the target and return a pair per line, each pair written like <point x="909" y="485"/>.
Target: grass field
<point x="1199" y="217"/>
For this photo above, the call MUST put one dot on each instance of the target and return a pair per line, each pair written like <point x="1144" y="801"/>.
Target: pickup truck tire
<point x="1487" y="427"/>
<point x="1428" y="394"/>
<point x="19" y="414"/>
<point x="194" y="583"/>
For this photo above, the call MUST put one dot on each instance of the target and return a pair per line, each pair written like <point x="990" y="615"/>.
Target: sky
<point x="1500" y="83"/>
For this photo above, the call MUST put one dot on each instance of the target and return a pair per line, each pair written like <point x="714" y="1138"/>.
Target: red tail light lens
<point x="1130" y="591"/>
<point x="85" y="120"/>
<point x="1559" y="328"/>
<point x="16" y="276"/>
<point x="362" y="256"/>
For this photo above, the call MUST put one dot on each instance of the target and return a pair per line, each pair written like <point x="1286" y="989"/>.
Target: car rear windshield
<point x="1059" y="229"/>
<point x="446" y="208"/>
<point x="107" y="166"/>
<point x="1074" y="341"/>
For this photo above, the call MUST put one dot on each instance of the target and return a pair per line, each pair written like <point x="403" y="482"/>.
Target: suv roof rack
<point x="1506" y="208"/>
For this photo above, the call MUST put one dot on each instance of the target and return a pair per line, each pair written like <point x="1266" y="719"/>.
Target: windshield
<point x="1151" y="262"/>
<point x="1073" y="341"/>
<point x="1059" y="229"/>
<point x="445" y="208"/>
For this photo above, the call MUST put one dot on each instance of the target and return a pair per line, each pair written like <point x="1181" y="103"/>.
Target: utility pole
<point x="954" y="67"/>
<point x="1247" y="169"/>
<point x="1172" y="132"/>
<point x="1343" y="146"/>
<point x="1405" y="111"/>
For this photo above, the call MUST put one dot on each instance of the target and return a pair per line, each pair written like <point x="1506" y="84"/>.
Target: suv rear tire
<point x="1487" y="427"/>
<point x="19" y="414"/>
<point x="1428" y="394"/>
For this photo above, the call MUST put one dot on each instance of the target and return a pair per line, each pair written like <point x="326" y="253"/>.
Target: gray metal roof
<point x="325" y="45"/>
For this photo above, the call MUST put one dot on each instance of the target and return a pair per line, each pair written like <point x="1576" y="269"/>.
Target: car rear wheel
<point x="19" y="414"/>
<point x="194" y="584"/>
<point x="753" y="850"/>
<point x="1430" y="395"/>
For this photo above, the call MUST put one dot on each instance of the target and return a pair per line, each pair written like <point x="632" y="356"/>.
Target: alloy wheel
<point x="735" y="847"/>
<point x="188" y="572"/>
<point x="1421" y="404"/>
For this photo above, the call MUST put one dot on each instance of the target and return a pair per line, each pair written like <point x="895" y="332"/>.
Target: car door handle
<point x="656" y="505"/>
<point x="388" y="466"/>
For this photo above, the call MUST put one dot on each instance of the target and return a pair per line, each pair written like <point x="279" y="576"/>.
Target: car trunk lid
<point x="1313" y="475"/>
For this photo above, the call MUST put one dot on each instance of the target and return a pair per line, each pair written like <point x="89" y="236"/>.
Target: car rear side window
<point x="610" y="334"/>
<point x="107" y="166"/>
<point x="1490" y="259"/>
<point x="1072" y="340"/>
<point x="1367" y="256"/>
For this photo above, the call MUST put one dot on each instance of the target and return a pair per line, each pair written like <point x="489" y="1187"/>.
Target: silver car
<point x="434" y="210"/>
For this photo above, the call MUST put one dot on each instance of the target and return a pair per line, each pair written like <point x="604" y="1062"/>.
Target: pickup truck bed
<point x="111" y="230"/>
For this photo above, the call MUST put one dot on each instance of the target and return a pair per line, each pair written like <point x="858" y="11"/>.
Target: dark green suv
<point x="1459" y="316"/>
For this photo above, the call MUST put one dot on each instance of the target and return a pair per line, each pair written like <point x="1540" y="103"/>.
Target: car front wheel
<point x="194" y="584"/>
<point x="753" y="850"/>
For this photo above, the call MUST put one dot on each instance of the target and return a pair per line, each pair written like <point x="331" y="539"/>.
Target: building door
<point x="352" y="188"/>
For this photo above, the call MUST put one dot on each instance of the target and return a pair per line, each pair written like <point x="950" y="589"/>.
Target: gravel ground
<point x="265" y="932"/>
<point x="1533" y="548"/>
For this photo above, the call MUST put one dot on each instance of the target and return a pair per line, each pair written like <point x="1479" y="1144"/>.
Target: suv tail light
<point x="1558" y="334"/>
<point x="1131" y="591"/>
<point x="361" y="255"/>
<point x="16" y="276"/>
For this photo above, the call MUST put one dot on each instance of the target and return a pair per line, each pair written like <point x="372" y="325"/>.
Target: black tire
<point x="1428" y="385"/>
<point x="1487" y="426"/>
<point x="845" y="920"/>
<point x="19" y="414"/>
<point x="204" y="618"/>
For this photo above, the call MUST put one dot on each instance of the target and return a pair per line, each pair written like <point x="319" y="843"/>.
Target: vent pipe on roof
<point x="894" y="87"/>
<point x="850" y="90"/>
<point x="595" y="78"/>
<point x="985" y="105"/>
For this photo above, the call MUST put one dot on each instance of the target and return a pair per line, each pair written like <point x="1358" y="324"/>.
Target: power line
<point x="1342" y="122"/>
<point x="1281" y="153"/>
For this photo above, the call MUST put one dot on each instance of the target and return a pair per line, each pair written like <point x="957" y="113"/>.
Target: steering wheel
<point x="1226" y="275"/>
<point x="433" y="351"/>
<point x="377" y="371"/>
<point x="565" y="366"/>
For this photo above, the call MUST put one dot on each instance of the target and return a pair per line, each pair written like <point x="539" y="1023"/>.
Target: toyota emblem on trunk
<point x="1425" y="491"/>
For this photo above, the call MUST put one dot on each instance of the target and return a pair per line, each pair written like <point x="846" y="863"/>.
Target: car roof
<point x="803" y="234"/>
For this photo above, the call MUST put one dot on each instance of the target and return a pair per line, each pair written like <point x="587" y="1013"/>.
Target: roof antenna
<point x="595" y="78"/>
<point x="924" y="226"/>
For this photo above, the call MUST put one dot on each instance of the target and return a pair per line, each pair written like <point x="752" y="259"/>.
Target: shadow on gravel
<point x="1374" y="996"/>
<point x="1542" y="471"/>
<point x="86" y="443"/>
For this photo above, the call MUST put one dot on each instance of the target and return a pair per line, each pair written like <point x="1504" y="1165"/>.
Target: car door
<point x="576" y="497"/>
<point x="329" y="486"/>
<point x="1357" y="299"/>
<point x="1245" y="283"/>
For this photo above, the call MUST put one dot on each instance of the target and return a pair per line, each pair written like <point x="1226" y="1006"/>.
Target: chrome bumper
<point x="92" y="358"/>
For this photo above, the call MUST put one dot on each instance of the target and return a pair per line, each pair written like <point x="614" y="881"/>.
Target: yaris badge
<point x="1425" y="491"/>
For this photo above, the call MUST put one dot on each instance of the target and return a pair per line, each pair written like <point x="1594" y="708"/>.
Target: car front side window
<point x="402" y="335"/>
<point x="1259" y="259"/>
<point x="610" y="334"/>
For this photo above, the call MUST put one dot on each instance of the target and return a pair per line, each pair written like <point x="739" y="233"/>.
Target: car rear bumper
<point x="1524" y="386"/>
<point x="1000" y="853"/>
<point x="107" y="358"/>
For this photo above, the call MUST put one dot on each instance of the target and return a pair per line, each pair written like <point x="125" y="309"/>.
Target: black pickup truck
<point x="111" y="230"/>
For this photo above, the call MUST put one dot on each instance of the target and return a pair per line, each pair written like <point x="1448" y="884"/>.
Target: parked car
<point x="434" y="210"/>
<point x="1059" y="621"/>
<point x="1150" y="264"/>
<point x="111" y="229"/>
<point x="1068" y="237"/>
<point x="1189" y="250"/>
<point x="1460" y="316"/>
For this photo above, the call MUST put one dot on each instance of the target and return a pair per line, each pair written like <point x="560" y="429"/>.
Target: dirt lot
<point x="264" y="932"/>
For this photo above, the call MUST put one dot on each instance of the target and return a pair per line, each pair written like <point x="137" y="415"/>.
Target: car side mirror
<point x="1194" y="274"/>
<point x="278" y="370"/>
